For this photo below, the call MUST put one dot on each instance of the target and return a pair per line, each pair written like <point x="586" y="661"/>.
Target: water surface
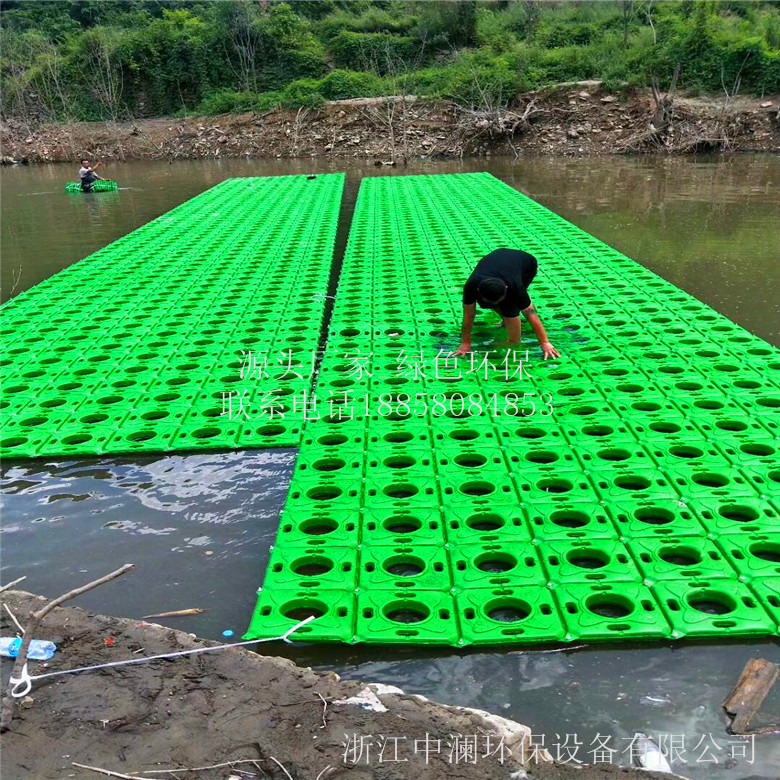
<point x="199" y="526"/>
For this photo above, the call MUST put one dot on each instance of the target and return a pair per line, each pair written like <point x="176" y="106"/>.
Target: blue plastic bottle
<point x="39" y="650"/>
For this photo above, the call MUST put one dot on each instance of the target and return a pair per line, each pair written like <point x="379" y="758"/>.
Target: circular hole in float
<point x="588" y="558"/>
<point x="554" y="485"/>
<point x="654" y="516"/>
<point x="470" y="460"/>
<point x="615" y="454"/>
<point x="485" y="522"/>
<point x="507" y="610"/>
<point x="328" y="464"/>
<point x="405" y="524"/>
<point x="399" y="462"/>
<point x="397" y="437"/>
<point x="300" y="609"/>
<point x="710" y="479"/>
<point x="541" y="456"/>
<point x="406" y="612"/>
<point x="324" y="493"/>
<point x="477" y="488"/>
<point x="495" y="563"/>
<point x="609" y="606"/>
<point x="632" y="482"/>
<point x="567" y="518"/>
<point x="680" y="555"/>
<point x="318" y="526"/>
<point x="686" y="451"/>
<point x="738" y="513"/>
<point x="400" y="490"/>
<point x="404" y="566"/>
<point x="759" y="450"/>
<point x="311" y="566"/>
<point x="766" y="551"/>
<point x="711" y="602"/>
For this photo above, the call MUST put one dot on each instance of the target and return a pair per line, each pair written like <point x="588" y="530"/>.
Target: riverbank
<point x="234" y="706"/>
<point x="573" y="119"/>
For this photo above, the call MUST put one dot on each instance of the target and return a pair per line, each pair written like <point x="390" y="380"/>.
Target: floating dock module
<point x="134" y="348"/>
<point x="629" y="490"/>
<point x="101" y="185"/>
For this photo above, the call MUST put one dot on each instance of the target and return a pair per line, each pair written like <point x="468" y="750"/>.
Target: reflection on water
<point x="199" y="526"/>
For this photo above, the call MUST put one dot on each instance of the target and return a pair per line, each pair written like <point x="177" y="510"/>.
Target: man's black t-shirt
<point x="515" y="268"/>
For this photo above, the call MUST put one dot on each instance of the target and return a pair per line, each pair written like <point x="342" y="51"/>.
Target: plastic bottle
<point x="39" y="650"/>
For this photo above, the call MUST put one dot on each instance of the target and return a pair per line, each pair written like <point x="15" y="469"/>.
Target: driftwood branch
<point x="10" y="585"/>
<point x="744" y="701"/>
<point x="230" y="764"/>
<point x="108" y="772"/>
<point x="13" y="617"/>
<point x="282" y="767"/>
<point x="32" y="627"/>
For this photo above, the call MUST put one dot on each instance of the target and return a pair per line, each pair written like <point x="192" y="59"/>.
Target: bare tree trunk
<point x="300" y="117"/>
<point x="662" y="116"/>
<point x="649" y="14"/>
<point x="245" y="44"/>
<point x="628" y="14"/>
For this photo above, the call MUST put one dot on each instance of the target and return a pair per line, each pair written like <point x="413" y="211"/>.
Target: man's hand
<point x="549" y="351"/>
<point x="463" y="349"/>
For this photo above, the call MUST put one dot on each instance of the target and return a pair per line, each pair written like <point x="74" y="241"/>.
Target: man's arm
<point x="513" y="324"/>
<point x="469" y="312"/>
<point x="533" y="318"/>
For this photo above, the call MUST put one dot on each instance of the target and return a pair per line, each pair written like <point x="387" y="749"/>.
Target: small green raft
<point x="97" y="186"/>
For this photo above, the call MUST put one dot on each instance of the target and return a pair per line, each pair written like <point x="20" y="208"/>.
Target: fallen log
<point x="744" y="701"/>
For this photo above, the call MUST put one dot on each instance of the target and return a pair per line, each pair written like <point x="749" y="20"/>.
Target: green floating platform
<point x="103" y="185"/>
<point x="645" y="507"/>
<point x="133" y="348"/>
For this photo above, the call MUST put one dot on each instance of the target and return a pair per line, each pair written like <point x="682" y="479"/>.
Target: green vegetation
<point x="95" y="60"/>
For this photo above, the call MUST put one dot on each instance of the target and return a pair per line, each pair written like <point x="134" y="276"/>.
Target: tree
<point x="239" y="19"/>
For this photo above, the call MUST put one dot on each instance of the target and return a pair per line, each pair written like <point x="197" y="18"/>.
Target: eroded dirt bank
<point x="230" y="706"/>
<point x="571" y="119"/>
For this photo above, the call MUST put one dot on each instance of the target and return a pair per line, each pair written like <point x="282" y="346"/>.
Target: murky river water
<point x="199" y="526"/>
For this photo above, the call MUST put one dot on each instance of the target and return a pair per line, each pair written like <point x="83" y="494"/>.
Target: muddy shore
<point x="579" y="118"/>
<point x="230" y="706"/>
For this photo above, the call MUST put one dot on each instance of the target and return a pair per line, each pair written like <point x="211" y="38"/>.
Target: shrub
<point x="303" y="93"/>
<point x="342" y="84"/>
<point x="226" y="101"/>
<point x="470" y="78"/>
<point x="372" y="51"/>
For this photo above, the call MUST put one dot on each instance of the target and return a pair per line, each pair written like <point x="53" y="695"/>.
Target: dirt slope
<point x="229" y="706"/>
<point x="571" y="119"/>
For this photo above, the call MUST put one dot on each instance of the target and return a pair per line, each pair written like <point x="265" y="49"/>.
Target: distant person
<point x="88" y="176"/>
<point x="500" y="282"/>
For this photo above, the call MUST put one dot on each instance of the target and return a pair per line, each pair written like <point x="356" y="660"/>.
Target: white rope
<point x="21" y="686"/>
